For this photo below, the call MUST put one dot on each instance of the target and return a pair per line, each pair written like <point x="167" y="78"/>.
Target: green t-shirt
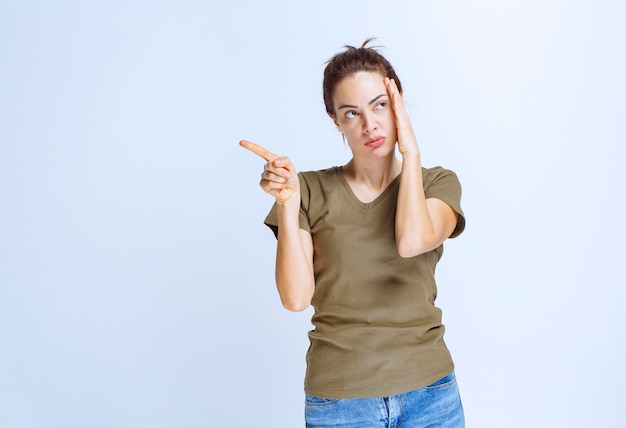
<point x="377" y="331"/>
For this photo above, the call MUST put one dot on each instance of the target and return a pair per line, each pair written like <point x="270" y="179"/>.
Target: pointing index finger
<point x="258" y="150"/>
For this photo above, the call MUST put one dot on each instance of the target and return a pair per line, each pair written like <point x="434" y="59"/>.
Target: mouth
<point x="375" y="142"/>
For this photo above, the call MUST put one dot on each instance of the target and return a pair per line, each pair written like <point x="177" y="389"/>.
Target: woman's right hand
<point x="279" y="177"/>
<point x="294" y="251"/>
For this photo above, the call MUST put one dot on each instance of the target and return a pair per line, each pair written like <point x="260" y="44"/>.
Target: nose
<point x="369" y="123"/>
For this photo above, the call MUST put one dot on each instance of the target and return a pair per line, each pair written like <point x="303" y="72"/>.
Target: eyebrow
<point x="370" y="103"/>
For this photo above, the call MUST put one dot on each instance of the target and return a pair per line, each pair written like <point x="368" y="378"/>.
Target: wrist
<point x="411" y="156"/>
<point x="291" y="204"/>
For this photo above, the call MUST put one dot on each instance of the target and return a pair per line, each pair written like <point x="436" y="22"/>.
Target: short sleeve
<point x="443" y="184"/>
<point x="271" y="220"/>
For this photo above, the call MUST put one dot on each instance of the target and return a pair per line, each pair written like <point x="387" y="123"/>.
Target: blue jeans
<point x="436" y="405"/>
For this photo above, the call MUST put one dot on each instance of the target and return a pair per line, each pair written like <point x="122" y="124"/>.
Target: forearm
<point x="421" y="224"/>
<point x="415" y="233"/>
<point x="294" y="262"/>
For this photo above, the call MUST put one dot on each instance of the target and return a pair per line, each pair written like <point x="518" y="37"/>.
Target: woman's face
<point x="363" y="113"/>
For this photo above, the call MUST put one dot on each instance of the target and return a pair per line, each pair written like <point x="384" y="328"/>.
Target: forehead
<point x="359" y="87"/>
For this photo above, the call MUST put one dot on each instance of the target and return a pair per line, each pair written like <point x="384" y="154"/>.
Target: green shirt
<point x="377" y="331"/>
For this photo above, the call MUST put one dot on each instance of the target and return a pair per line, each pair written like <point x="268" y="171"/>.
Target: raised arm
<point x="421" y="224"/>
<point x="294" y="251"/>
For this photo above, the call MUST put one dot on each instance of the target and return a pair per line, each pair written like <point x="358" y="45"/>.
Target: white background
<point x="136" y="276"/>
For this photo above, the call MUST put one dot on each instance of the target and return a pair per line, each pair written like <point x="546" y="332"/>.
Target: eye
<point x="381" y="105"/>
<point x="351" y="114"/>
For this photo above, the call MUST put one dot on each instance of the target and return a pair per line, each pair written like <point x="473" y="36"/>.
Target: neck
<point x="375" y="174"/>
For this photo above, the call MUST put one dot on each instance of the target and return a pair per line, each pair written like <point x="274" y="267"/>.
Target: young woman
<point x="360" y="243"/>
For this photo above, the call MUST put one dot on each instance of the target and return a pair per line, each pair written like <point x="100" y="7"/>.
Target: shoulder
<point x="320" y="177"/>
<point x="314" y="184"/>
<point x="439" y="176"/>
<point x="321" y="174"/>
<point x="437" y="172"/>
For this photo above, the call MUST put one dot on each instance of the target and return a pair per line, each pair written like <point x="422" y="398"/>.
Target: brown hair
<point x="351" y="61"/>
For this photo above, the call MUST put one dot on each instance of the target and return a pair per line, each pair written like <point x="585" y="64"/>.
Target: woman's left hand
<point x="407" y="142"/>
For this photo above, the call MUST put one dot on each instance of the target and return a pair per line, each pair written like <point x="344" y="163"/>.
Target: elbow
<point x="408" y="252"/>
<point x="295" y="294"/>
<point x="296" y="300"/>
<point x="295" y="306"/>
<point x="411" y="248"/>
